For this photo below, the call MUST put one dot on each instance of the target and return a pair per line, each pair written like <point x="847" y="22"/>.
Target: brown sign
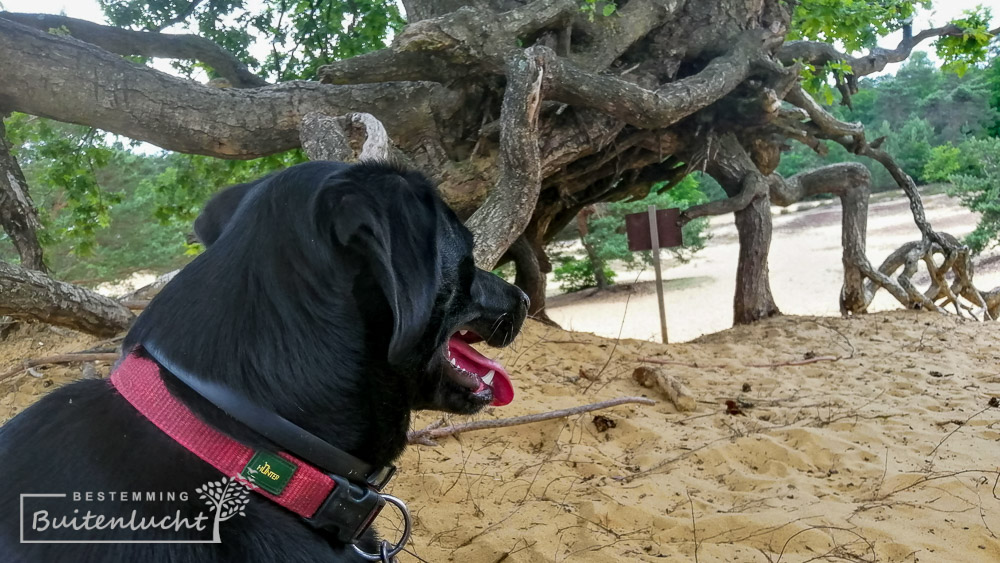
<point x="637" y="229"/>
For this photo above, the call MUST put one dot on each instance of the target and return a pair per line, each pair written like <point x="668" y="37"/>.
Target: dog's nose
<point x="525" y="300"/>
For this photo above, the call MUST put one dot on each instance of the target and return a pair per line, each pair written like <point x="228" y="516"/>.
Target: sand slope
<point x="832" y="460"/>
<point x="806" y="273"/>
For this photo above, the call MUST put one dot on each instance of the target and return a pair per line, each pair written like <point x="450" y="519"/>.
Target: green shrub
<point x="977" y="185"/>
<point x="574" y="274"/>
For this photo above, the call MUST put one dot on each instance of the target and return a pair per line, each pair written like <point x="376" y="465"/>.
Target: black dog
<point x="332" y="295"/>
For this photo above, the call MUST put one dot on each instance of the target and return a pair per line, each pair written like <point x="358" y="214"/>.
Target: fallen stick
<point x="670" y="386"/>
<point x="801" y="362"/>
<point x="433" y="432"/>
<point x="59" y="359"/>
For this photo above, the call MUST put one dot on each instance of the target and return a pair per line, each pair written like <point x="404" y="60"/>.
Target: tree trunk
<point x="753" y="300"/>
<point x="31" y="295"/>
<point x="531" y="265"/>
<point x="748" y="199"/>
<point x="851" y="182"/>
<point x="17" y="213"/>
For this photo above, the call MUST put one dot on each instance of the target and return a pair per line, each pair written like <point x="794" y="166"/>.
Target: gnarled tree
<point x="527" y="112"/>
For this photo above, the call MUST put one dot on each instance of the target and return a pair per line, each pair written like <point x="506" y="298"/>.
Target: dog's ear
<point x="393" y="227"/>
<point x="219" y="211"/>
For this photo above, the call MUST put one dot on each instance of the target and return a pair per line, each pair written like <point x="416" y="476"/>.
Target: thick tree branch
<point x="507" y="210"/>
<point x="665" y="106"/>
<point x="750" y="191"/>
<point x="348" y="138"/>
<point x="18" y="216"/>
<point x="89" y="86"/>
<point x="614" y="36"/>
<point x="480" y="42"/>
<point x="126" y="42"/>
<point x="31" y="295"/>
<point x="819" y="53"/>
<point x="852" y="137"/>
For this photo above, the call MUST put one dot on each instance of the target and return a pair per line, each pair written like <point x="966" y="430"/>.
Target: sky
<point x="943" y="11"/>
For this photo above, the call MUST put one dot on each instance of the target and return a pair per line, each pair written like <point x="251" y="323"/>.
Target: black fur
<point x="326" y="294"/>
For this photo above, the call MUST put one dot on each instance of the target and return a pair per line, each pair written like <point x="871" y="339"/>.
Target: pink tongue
<point x="472" y="361"/>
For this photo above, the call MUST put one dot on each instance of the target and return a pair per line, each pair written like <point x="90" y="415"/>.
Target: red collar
<point x="296" y="485"/>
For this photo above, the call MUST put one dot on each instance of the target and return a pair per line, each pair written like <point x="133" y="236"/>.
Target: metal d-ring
<point x="387" y="551"/>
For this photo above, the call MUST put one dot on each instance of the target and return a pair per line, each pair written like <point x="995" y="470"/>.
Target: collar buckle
<point x="380" y="476"/>
<point x="348" y="510"/>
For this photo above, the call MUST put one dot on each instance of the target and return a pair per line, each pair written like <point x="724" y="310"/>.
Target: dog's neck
<point x="310" y="366"/>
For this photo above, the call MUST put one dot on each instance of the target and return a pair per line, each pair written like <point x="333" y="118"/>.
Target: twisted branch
<point x="126" y="42"/>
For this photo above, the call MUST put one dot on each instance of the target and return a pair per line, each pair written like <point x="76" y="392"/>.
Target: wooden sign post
<point x="653" y="230"/>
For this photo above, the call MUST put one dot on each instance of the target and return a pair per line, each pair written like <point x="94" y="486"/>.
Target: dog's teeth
<point x="463" y="332"/>
<point x="488" y="378"/>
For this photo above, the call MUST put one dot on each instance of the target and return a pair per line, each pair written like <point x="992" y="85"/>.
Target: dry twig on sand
<point x="802" y="362"/>
<point x="59" y="359"/>
<point x="433" y="432"/>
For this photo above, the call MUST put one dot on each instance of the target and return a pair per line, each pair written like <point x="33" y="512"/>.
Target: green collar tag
<point x="269" y="471"/>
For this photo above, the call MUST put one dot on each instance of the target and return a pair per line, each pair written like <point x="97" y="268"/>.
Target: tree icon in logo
<point x="228" y="496"/>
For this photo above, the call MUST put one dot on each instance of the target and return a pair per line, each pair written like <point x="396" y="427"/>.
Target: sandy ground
<point x="888" y="453"/>
<point x="805" y="265"/>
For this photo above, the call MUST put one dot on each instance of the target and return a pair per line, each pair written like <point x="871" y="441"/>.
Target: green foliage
<point x="991" y="80"/>
<point x="856" y="24"/>
<point x="917" y="109"/>
<point x="303" y="34"/>
<point x="944" y="161"/>
<point x="90" y="203"/>
<point x="816" y="81"/>
<point x="959" y="52"/>
<point x="911" y="146"/>
<point x="593" y="7"/>
<point x="66" y="157"/>
<point x="574" y="274"/>
<point x="607" y="232"/>
<point x="188" y="181"/>
<point x="977" y="184"/>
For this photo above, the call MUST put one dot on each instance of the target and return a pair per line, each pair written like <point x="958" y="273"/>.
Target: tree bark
<point x="753" y="300"/>
<point x="18" y="216"/>
<point x="90" y="86"/>
<point x="531" y="268"/>
<point x="348" y="138"/>
<point x="732" y="167"/>
<point x="31" y="295"/>
<point x="508" y="209"/>
<point x="851" y="182"/>
<point x="126" y="42"/>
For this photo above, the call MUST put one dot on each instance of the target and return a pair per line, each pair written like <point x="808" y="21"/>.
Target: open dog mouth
<point x="485" y="378"/>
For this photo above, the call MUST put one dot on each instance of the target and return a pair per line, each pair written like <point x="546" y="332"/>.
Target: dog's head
<point x="373" y="246"/>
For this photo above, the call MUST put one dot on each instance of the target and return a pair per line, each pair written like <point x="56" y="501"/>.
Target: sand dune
<point x="888" y="454"/>
<point x="832" y="459"/>
<point x="806" y="272"/>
